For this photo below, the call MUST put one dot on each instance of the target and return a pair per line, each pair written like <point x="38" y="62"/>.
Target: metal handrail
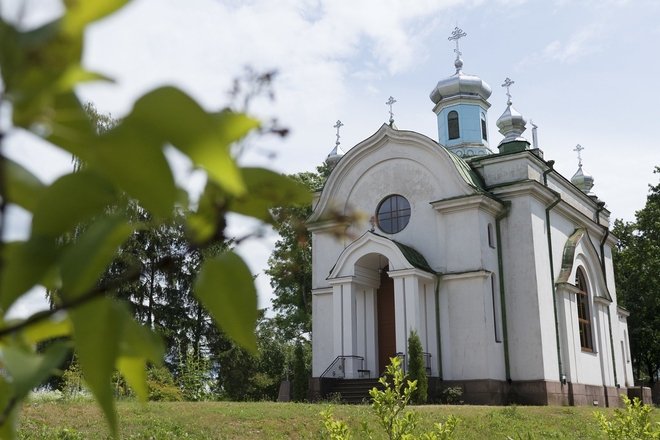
<point x="341" y="358"/>
<point x="427" y="362"/>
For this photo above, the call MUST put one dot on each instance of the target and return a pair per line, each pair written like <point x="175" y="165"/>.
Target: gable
<point x="394" y="161"/>
<point x="580" y="251"/>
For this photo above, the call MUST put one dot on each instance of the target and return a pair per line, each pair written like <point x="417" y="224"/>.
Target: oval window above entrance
<point x="393" y="214"/>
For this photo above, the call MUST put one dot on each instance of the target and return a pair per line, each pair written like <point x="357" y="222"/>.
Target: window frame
<point x="453" y="126"/>
<point x="585" y="323"/>
<point x="484" y="128"/>
<point x="398" y="217"/>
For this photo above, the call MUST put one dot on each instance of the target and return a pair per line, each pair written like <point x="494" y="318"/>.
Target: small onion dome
<point x="334" y="156"/>
<point x="512" y="125"/>
<point x="460" y="84"/>
<point x="584" y="181"/>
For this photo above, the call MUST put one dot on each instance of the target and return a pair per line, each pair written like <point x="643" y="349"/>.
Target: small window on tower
<point x="484" y="132"/>
<point x="452" y="125"/>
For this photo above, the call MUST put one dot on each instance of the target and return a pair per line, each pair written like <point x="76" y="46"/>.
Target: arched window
<point x="584" y="315"/>
<point x="452" y="125"/>
<point x="484" y="132"/>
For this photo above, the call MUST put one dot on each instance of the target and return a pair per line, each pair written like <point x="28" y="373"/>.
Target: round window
<point x="393" y="214"/>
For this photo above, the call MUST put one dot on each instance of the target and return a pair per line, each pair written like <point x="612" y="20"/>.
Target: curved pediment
<point x="417" y="160"/>
<point x="399" y="256"/>
<point x="580" y="250"/>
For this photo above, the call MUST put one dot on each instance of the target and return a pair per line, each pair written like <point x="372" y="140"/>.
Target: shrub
<point x="417" y="369"/>
<point x="300" y="379"/>
<point x="389" y="406"/>
<point x="161" y="385"/>
<point x="631" y="423"/>
<point x="452" y="396"/>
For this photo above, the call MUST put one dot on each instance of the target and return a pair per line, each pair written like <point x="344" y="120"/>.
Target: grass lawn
<point x="266" y="420"/>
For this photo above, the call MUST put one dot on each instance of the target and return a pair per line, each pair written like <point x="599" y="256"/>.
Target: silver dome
<point x="460" y="84"/>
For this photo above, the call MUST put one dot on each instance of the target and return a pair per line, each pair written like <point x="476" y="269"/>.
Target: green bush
<point x="389" y="406"/>
<point x="452" y="396"/>
<point x="161" y="386"/>
<point x="300" y="375"/>
<point x="417" y="369"/>
<point x="631" y="423"/>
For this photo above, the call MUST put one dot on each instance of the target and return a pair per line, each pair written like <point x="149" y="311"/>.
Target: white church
<point x="501" y="265"/>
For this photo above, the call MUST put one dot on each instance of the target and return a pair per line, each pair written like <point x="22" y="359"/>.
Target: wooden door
<point x="386" y="328"/>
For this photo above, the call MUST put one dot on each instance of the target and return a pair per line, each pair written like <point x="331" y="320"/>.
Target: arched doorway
<point x="386" y="323"/>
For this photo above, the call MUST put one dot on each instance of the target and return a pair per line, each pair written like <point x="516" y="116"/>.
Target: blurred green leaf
<point x="97" y="328"/>
<point x="226" y="288"/>
<point x="85" y="260"/>
<point x="71" y="200"/>
<point x="137" y="347"/>
<point x="70" y="126"/>
<point x="25" y="265"/>
<point x="266" y="190"/>
<point x="133" y="159"/>
<point x="23" y="187"/>
<point x="204" y="137"/>
<point x="54" y="327"/>
<point x="80" y="13"/>
<point x="203" y="224"/>
<point x="28" y="369"/>
<point x="8" y="425"/>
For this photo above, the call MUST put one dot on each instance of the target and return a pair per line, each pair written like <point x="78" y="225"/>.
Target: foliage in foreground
<point x="40" y="69"/>
<point x="389" y="407"/>
<point x="631" y="423"/>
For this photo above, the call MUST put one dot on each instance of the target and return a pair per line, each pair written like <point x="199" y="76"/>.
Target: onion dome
<point x="334" y="156"/>
<point x="511" y="125"/>
<point x="337" y="152"/>
<point x="584" y="181"/>
<point x="460" y="84"/>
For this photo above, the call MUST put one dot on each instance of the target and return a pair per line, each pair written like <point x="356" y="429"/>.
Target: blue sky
<point x="586" y="72"/>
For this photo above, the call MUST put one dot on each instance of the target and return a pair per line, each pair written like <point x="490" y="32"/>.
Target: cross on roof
<point x="338" y="125"/>
<point x="456" y="35"/>
<point x="507" y="84"/>
<point x="391" y="102"/>
<point x="579" y="149"/>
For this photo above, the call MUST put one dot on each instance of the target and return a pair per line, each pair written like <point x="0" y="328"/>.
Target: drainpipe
<point x="500" y="268"/>
<point x="437" y="323"/>
<point x="551" y="163"/>
<point x="606" y="230"/>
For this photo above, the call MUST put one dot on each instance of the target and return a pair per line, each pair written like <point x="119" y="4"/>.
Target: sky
<point x="586" y="72"/>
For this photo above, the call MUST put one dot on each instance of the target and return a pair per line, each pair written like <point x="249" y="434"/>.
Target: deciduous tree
<point x="637" y="270"/>
<point x="40" y="69"/>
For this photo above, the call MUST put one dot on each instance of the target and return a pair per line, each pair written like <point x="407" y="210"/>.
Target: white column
<point x="410" y="306"/>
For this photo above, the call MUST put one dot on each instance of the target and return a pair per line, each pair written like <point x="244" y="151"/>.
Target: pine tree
<point x="416" y="368"/>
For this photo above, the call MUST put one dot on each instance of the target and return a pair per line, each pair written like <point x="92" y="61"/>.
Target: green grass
<point x="231" y="420"/>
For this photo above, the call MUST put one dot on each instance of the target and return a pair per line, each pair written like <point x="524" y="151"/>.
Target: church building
<point x="501" y="265"/>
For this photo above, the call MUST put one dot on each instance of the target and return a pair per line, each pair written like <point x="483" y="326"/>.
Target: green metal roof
<point x="467" y="173"/>
<point x="414" y="257"/>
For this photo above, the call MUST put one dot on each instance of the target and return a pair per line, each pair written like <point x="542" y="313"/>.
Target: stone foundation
<point x="533" y="392"/>
<point x="498" y="392"/>
<point x="642" y="393"/>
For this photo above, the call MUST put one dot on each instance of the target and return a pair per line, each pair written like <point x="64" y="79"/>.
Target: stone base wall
<point x="533" y="392"/>
<point x="499" y="392"/>
<point x="642" y="393"/>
